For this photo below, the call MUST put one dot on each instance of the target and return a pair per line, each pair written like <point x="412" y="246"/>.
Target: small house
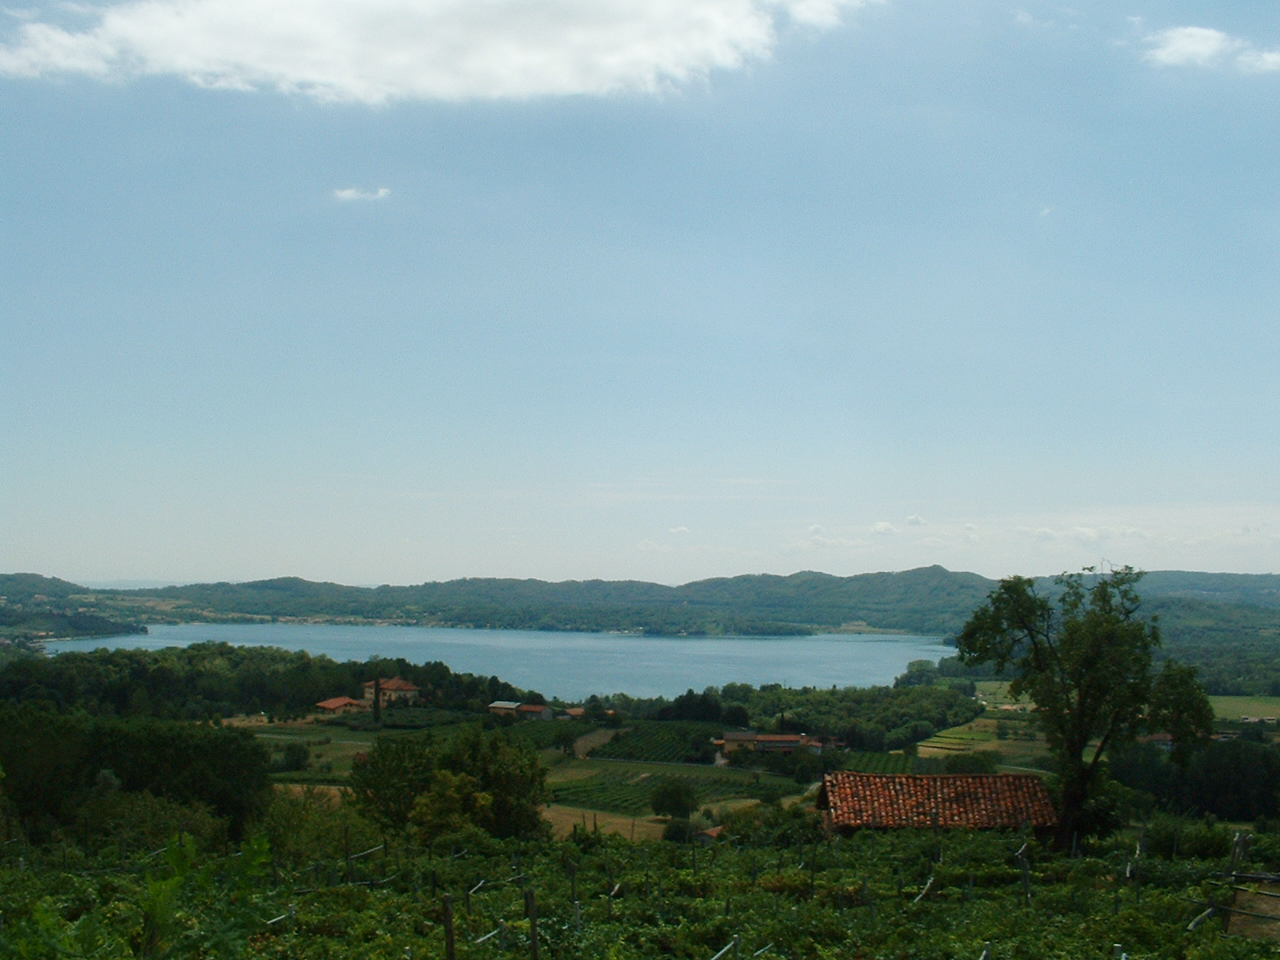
<point x="504" y="708"/>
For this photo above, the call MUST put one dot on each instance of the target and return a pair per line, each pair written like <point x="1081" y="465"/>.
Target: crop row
<point x="662" y="742"/>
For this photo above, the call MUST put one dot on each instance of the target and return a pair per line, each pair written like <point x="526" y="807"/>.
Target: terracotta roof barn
<point x="1002" y="801"/>
<point x="337" y="704"/>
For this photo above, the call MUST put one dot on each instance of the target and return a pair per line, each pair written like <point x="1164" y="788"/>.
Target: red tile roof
<point x="337" y="703"/>
<point x="395" y="683"/>
<point x="1004" y="801"/>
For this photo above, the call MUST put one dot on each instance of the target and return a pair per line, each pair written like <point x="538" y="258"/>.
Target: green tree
<point x="565" y="738"/>
<point x="1086" y="660"/>
<point x="386" y="782"/>
<point x="505" y="778"/>
<point x="673" y="797"/>
<point x="453" y="803"/>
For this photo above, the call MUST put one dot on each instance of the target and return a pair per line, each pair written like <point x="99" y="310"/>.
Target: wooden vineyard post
<point x="531" y="911"/>
<point x="450" y="945"/>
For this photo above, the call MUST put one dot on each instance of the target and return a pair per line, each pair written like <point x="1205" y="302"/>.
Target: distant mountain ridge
<point x="927" y="600"/>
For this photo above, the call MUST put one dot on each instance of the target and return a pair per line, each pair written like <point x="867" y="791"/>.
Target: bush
<point x="678" y="830"/>
<point x="1174" y="837"/>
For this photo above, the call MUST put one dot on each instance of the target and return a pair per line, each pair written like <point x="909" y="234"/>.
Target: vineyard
<point x="666" y="741"/>
<point x="779" y="889"/>
<point x="628" y="789"/>
<point x="867" y="762"/>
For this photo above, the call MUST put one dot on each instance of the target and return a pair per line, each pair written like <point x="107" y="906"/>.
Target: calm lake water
<point x="575" y="665"/>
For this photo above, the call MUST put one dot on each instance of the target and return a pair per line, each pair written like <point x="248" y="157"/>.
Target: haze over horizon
<point x="396" y="291"/>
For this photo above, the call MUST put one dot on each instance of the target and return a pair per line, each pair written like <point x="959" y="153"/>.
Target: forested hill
<point x="928" y="600"/>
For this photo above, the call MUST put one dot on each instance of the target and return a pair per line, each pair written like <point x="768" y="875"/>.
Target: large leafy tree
<point x="386" y="782"/>
<point x="506" y="776"/>
<point x="482" y="779"/>
<point x="1085" y="657"/>
<point x="673" y="797"/>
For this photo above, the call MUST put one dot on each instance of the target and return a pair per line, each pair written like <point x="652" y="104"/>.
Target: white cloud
<point x="678" y="530"/>
<point x="818" y="537"/>
<point x="1206" y="47"/>
<point x="375" y="51"/>
<point x="915" y="520"/>
<point x="884" y="527"/>
<point x="355" y="193"/>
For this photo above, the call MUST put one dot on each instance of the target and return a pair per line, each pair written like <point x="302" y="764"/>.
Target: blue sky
<point x="404" y="290"/>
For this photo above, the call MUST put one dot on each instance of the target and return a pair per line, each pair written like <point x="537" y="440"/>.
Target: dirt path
<point x="1260" y="913"/>
<point x="585" y="744"/>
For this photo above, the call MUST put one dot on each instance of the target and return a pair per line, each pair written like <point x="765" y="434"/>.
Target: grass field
<point x="563" y="819"/>
<point x="1233" y="708"/>
<point x="332" y="748"/>
<point x="626" y="787"/>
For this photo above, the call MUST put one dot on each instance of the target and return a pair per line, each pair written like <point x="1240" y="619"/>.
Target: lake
<point x="573" y="666"/>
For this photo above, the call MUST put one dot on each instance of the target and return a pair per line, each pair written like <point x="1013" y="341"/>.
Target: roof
<point x="997" y="801"/>
<point x="395" y="683"/>
<point x="503" y="705"/>
<point x="532" y="707"/>
<point x="337" y="703"/>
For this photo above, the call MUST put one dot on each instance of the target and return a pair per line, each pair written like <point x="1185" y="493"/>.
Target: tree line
<point x="207" y="680"/>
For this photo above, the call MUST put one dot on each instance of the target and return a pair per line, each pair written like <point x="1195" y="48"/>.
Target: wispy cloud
<point x="1206" y="47"/>
<point x="818" y="536"/>
<point x="355" y="193"/>
<point x="375" y="51"/>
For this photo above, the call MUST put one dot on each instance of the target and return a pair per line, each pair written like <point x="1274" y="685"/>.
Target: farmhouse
<point x="341" y="705"/>
<point x="390" y="691"/>
<point x="734" y="740"/>
<point x="997" y="801"/>
<point x="521" y="711"/>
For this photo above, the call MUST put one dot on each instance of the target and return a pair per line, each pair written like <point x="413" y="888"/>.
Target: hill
<point x="1193" y="607"/>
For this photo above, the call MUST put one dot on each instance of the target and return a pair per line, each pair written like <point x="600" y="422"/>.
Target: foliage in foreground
<point x="780" y="883"/>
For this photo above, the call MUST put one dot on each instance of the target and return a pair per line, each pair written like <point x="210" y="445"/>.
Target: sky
<point x="392" y="291"/>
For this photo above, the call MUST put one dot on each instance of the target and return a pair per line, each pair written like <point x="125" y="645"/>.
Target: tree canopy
<point x="1086" y="659"/>
<point x="476" y="779"/>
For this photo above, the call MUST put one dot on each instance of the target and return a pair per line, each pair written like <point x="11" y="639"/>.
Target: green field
<point x="1233" y="708"/>
<point x="626" y="787"/>
<point x="670" y="741"/>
